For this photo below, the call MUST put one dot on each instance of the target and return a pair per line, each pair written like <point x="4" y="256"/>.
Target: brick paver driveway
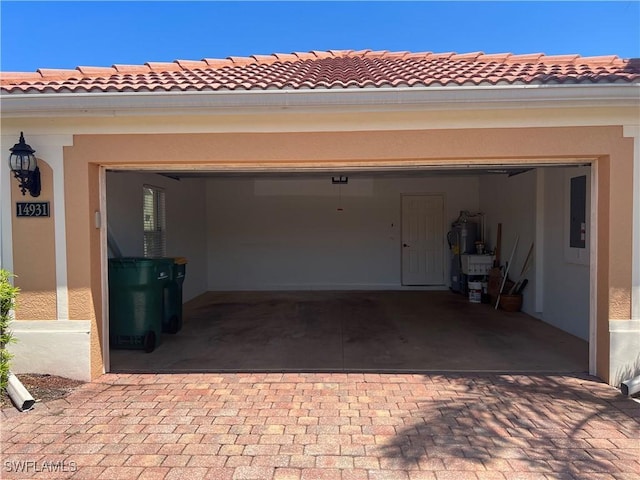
<point x="328" y="426"/>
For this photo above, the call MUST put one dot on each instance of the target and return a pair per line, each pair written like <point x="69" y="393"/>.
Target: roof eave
<point x="97" y="104"/>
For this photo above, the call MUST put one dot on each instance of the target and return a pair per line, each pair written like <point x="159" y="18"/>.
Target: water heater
<point x="462" y="238"/>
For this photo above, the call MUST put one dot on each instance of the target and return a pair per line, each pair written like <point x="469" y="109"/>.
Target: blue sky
<point x="67" y="34"/>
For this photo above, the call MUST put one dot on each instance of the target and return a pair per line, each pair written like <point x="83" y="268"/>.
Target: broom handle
<point x="525" y="268"/>
<point x="525" y="265"/>
<point x="496" y="262"/>
<point x="506" y="272"/>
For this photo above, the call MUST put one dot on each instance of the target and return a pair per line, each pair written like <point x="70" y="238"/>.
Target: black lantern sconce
<point x="24" y="166"/>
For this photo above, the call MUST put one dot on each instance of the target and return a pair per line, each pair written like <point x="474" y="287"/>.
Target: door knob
<point x="405" y="245"/>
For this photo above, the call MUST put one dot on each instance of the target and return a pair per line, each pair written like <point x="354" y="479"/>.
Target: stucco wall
<point x="614" y="155"/>
<point x="289" y="234"/>
<point x="34" y="260"/>
<point x="185" y="216"/>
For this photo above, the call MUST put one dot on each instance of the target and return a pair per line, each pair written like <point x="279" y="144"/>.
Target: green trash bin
<point x="136" y="287"/>
<point x="172" y="317"/>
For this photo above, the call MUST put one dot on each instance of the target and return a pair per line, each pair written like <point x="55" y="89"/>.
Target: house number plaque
<point x="32" y="209"/>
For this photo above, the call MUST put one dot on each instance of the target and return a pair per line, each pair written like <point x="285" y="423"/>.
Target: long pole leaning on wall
<point x="506" y="270"/>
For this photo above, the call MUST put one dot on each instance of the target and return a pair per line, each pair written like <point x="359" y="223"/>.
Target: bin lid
<point x="130" y="261"/>
<point x="180" y="260"/>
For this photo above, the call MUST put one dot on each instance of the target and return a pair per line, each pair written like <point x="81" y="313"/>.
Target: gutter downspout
<point x="630" y="387"/>
<point x="19" y="395"/>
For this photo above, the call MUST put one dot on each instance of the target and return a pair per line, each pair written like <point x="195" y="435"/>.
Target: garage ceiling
<point x="463" y="170"/>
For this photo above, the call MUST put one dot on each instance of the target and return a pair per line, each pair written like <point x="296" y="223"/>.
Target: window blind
<point x="154" y="222"/>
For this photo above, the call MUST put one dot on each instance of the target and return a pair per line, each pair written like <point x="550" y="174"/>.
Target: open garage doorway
<point x="304" y="271"/>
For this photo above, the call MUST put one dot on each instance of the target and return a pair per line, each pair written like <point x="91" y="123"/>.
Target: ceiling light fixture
<point x="342" y="179"/>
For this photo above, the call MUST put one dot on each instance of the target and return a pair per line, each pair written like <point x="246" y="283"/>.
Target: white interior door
<point x="422" y="240"/>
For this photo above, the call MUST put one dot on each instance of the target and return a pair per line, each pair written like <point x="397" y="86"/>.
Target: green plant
<point x="8" y="294"/>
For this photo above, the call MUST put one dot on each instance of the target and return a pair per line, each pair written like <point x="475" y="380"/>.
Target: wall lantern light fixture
<point x="24" y="166"/>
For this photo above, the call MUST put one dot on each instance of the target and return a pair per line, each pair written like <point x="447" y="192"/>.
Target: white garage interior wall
<point x="512" y="202"/>
<point x="566" y="281"/>
<point x="303" y="232"/>
<point x="274" y="234"/>
<point x="185" y="211"/>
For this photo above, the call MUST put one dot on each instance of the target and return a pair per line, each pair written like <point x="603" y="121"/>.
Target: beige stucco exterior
<point x="37" y="267"/>
<point x="612" y="152"/>
<point x="411" y="139"/>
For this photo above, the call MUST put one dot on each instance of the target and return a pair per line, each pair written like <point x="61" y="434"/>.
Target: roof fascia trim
<point x="392" y="99"/>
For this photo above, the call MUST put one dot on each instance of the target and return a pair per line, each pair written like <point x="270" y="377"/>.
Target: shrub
<point x="8" y="295"/>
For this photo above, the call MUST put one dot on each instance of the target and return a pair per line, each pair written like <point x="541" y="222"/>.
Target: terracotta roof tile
<point x="333" y="69"/>
<point x="285" y="57"/>
<point x="242" y="60"/>
<point x="132" y="68"/>
<point x="263" y="58"/>
<point x="321" y="54"/>
<point x="467" y="56"/>
<point x="218" y="62"/>
<point x="164" y="66"/>
<point x="304" y="55"/>
<point x="96" y="71"/>
<point x="603" y="60"/>
<point x="191" y="64"/>
<point x="494" y="57"/>
<point x="340" y="53"/>
<point x="528" y="58"/>
<point x="7" y="77"/>
<point x="62" y="74"/>
<point x="552" y="59"/>
<point x="389" y="54"/>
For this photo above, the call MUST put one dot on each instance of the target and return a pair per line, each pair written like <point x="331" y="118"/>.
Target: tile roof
<point x="337" y="69"/>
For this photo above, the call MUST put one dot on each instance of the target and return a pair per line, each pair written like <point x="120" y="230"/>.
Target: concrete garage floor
<point x="381" y="331"/>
